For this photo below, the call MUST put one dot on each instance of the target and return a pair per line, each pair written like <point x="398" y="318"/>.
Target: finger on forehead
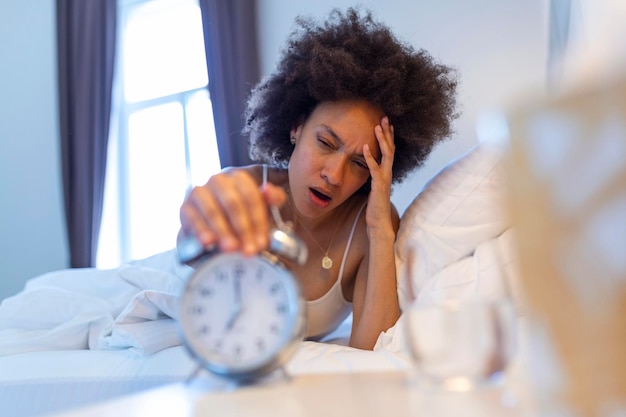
<point x="385" y="139"/>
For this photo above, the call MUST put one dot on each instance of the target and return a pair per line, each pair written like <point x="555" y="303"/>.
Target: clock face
<point x="240" y="314"/>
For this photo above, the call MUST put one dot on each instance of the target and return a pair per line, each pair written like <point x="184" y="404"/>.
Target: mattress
<point x="34" y="383"/>
<point x="37" y="383"/>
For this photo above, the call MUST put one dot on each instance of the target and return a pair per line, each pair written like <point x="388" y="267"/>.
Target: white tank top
<point x="326" y="313"/>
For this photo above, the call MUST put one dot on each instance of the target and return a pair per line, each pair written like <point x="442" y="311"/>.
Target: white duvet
<point x="131" y="307"/>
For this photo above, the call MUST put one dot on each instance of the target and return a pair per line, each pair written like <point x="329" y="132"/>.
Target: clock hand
<point x="236" y="310"/>
<point x="233" y="317"/>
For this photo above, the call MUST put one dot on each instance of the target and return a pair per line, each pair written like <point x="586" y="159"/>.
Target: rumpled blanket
<point x="130" y="307"/>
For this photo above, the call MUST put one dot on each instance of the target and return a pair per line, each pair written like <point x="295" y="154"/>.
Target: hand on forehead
<point x="348" y="123"/>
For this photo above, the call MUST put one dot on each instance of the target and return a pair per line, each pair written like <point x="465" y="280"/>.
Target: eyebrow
<point x="332" y="133"/>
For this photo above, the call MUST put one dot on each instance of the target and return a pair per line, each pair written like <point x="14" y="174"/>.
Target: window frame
<point x="118" y="160"/>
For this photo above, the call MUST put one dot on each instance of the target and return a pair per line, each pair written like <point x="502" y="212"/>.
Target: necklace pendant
<point x="327" y="263"/>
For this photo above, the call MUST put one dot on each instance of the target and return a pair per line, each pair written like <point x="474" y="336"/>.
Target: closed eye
<point x="324" y="143"/>
<point x="361" y="164"/>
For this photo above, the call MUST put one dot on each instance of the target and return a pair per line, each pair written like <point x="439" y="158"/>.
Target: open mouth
<point x="321" y="196"/>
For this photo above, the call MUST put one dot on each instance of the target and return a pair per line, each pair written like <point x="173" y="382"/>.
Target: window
<point x="163" y="140"/>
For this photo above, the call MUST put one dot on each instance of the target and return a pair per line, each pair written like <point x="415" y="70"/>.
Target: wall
<point x="32" y="234"/>
<point x="499" y="48"/>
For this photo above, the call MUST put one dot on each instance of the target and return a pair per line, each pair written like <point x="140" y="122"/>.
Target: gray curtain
<point x="233" y="67"/>
<point x="558" y="38"/>
<point x="86" y="52"/>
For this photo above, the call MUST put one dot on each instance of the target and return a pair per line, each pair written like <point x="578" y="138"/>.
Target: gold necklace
<point x="327" y="261"/>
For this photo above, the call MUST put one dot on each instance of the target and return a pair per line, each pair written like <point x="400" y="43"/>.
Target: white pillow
<point x="459" y="208"/>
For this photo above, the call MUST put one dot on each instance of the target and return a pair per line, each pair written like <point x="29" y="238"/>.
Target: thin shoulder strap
<point x="345" y="252"/>
<point x="264" y="174"/>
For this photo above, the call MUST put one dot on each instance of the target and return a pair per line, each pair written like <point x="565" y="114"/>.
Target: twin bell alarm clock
<point x="242" y="316"/>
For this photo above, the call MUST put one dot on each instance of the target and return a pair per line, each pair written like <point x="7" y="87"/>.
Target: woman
<point x="349" y="111"/>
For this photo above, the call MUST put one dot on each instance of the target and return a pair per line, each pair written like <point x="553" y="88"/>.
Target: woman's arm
<point x="375" y="297"/>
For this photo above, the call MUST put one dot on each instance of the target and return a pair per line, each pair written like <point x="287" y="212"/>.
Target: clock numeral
<point x="240" y="269"/>
<point x="260" y="274"/>
<point x="206" y="292"/>
<point x="221" y="275"/>
<point x="281" y="308"/>
<point x="196" y="310"/>
<point x="237" y="351"/>
<point x="204" y="330"/>
<point x="260" y="345"/>
<point x="218" y="346"/>
<point x="274" y="328"/>
<point x="275" y="288"/>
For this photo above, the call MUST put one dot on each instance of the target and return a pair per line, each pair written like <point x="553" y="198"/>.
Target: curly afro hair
<point x="351" y="56"/>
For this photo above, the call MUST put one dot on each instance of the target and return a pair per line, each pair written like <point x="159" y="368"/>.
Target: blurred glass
<point x="461" y="340"/>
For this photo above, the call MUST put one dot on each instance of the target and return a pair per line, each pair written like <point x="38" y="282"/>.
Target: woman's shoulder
<point x="277" y="176"/>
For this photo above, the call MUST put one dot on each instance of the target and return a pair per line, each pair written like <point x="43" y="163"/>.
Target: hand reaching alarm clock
<point x="242" y="316"/>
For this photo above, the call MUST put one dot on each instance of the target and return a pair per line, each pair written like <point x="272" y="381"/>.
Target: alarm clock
<point x="242" y="316"/>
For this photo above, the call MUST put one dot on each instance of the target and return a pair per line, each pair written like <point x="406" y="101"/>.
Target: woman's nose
<point x="333" y="171"/>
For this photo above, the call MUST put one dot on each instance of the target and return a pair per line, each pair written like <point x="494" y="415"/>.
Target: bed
<point x="77" y="337"/>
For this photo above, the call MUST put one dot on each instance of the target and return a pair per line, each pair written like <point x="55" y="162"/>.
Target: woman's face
<point x="327" y="165"/>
